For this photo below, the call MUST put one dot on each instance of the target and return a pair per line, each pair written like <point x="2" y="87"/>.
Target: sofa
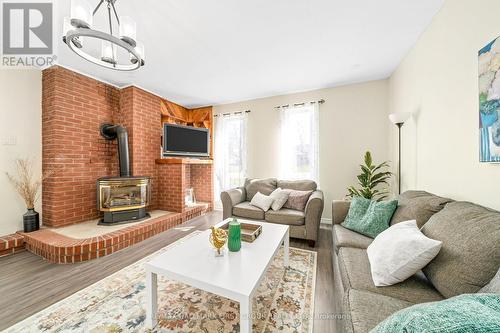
<point x="303" y="224"/>
<point x="468" y="259"/>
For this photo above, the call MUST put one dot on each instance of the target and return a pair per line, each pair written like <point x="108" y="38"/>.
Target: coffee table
<point x="236" y="275"/>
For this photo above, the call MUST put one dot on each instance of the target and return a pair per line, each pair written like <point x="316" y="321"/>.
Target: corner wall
<point x="352" y="120"/>
<point x="438" y="83"/>
<point x="20" y="137"/>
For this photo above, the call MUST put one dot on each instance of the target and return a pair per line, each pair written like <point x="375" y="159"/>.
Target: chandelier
<point x="79" y="26"/>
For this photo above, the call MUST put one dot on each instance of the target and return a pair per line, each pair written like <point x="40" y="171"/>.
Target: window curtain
<point x="300" y="142"/>
<point x="229" y="152"/>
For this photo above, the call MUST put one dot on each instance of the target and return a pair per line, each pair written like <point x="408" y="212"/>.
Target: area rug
<point x="284" y="302"/>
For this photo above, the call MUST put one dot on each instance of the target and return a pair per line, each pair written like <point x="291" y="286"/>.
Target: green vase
<point x="234" y="236"/>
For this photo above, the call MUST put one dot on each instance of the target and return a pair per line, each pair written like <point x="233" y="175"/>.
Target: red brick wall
<point x="171" y="185"/>
<point x="73" y="108"/>
<point x="202" y="182"/>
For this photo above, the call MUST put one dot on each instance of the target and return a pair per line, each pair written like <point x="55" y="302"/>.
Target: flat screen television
<point x="181" y="140"/>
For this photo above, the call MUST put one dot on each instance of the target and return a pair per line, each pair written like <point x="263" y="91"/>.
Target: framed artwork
<point x="489" y="102"/>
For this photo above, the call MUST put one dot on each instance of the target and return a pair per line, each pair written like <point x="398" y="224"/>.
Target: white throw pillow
<point x="262" y="201"/>
<point x="399" y="252"/>
<point x="280" y="197"/>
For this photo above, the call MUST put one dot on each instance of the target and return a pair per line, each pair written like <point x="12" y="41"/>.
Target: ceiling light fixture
<point x="79" y="25"/>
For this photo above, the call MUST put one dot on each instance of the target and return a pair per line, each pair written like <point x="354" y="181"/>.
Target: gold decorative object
<point x="218" y="239"/>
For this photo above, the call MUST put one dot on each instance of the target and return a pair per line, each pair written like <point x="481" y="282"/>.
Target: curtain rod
<point x="321" y="101"/>
<point x="230" y="113"/>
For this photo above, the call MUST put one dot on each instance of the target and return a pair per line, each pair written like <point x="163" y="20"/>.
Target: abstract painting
<point x="489" y="102"/>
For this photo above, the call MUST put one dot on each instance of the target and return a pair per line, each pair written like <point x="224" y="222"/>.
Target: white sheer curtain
<point x="300" y="142"/>
<point x="229" y="152"/>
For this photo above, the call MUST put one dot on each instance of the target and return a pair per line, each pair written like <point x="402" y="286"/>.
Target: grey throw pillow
<point x="280" y="197"/>
<point x="297" y="200"/>
<point x="469" y="255"/>
<point x="419" y="206"/>
<point x="493" y="287"/>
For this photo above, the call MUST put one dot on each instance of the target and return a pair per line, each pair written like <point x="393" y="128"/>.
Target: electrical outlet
<point x="9" y="140"/>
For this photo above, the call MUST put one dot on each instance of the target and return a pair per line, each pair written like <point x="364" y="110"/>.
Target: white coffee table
<point x="236" y="275"/>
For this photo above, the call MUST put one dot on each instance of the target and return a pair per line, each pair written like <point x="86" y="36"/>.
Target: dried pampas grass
<point x="27" y="187"/>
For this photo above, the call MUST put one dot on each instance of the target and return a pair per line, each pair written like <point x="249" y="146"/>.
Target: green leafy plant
<point x="373" y="180"/>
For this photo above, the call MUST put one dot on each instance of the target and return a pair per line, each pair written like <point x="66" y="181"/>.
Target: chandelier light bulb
<point x="108" y="52"/>
<point x="128" y="30"/>
<point x="81" y="14"/>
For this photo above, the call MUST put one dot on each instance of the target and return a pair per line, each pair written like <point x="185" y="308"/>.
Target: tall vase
<point x="31" y="220"/>
<point x="234" y="237"/>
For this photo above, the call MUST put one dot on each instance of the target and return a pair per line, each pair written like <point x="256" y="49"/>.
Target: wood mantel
<point x="179" y="160"/>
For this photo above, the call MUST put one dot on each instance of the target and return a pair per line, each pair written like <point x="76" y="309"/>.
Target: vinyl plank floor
<point x="29" y="284"/>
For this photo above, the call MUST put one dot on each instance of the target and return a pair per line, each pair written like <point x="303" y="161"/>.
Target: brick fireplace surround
<point x="73" y="108"/>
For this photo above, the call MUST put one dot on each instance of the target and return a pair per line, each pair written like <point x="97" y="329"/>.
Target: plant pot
<point x="31" y="220"/>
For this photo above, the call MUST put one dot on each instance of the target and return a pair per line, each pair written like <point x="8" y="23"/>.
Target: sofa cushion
<point x="470" y="254"/>
<point x="400" y="252"/>
<point x="297" y="200"/>
<point x="418" y="205"/>
<point x="344" y="237"/>
<point x="368" y="309"/>
<point x="286" y="216"/>
<point x="265" y="186"/>
<point x="245" y="209"/>
<point x="262" y="201"/>
<point x="355" y="274"/>
<point x="493" y="287"/>
<point x="298" y="185"/>
<point x="369" y="217"/>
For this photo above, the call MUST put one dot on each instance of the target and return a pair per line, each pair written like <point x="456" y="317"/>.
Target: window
<point x="299" y="142"/>
<point x="230" y="152"/>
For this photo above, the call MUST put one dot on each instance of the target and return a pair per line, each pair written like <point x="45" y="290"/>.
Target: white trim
<point x="84" y="74"/>
<point x="326" y="221"/>
<point x="117" y="86"/>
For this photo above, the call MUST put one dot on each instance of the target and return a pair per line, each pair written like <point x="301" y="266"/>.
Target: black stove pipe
<point x="111" y="132"/>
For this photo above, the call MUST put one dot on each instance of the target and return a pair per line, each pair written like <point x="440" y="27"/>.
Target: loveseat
<point x="468" y="259"/>
<point x="303" y="224"/>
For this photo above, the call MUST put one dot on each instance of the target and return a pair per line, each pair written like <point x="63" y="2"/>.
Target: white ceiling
<point x="207" y="52"/>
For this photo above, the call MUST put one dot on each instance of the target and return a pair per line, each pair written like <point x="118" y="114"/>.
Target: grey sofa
<point x="303" y="224"/>
<point x="468" y="260"/>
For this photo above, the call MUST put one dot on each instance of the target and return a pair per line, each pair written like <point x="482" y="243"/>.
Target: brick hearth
<point x="11" y="244"/>
<point x="73" y="108"/>
<point x="61" y="249"/>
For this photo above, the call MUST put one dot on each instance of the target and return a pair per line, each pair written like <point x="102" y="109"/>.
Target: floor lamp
<point x="399" y="119"/>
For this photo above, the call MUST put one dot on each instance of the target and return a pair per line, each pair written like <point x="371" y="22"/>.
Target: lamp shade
<point x="81" y="14"/>
<point x="108" y="52"/>
<point x="399" y="117"/>
<point x="128" y="30"/>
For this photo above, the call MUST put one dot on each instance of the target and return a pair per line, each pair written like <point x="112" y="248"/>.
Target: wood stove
<point x="125" y="198"/>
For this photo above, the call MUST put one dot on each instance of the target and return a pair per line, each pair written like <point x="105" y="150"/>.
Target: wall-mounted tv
<point x="181" y="140"/>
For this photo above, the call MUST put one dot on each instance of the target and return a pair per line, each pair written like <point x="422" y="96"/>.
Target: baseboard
<point x="326" y="221"/>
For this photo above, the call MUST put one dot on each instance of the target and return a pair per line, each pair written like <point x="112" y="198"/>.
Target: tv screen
<point x="185" y="141"/>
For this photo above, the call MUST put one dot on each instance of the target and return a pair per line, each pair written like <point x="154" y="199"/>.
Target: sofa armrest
<point x="231" y="198"/>
<point x="340" y="208"/>
<point x="313" y="212"/>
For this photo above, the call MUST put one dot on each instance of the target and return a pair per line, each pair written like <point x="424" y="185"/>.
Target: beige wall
<point x="438" y="82"/>
<point x="20" y="136"/>
<point x="352" y="120"/>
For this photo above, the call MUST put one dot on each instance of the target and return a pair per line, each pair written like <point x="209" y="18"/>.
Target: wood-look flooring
<point x="29" y="284"/>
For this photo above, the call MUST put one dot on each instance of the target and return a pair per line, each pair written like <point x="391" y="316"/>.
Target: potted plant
<point x="373" y="180"/>
<point x="28" y="189"/>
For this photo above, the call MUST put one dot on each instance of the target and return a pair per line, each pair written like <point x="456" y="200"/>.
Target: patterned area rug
<point x="284" y="302"/>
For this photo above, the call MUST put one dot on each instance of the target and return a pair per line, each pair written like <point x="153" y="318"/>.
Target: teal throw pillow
<point x="479" y="313"/>
<point x="369" y="217"/>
